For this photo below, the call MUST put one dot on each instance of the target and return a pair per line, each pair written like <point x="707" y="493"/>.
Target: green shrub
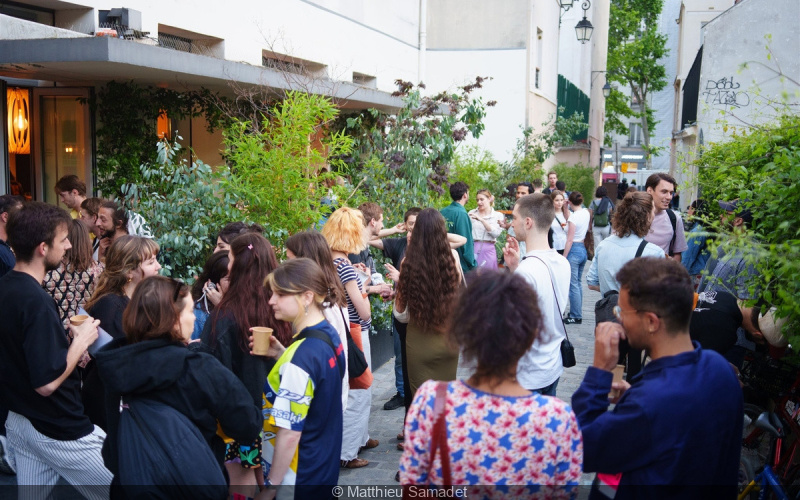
<point x="577" y="178"/>
<point x="184" y="207"/>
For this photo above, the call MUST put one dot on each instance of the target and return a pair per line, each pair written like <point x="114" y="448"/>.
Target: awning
<point x="96" y="60"/>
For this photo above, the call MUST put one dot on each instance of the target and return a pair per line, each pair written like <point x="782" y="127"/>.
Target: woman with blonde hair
<point x="128" y="261"/>
<point x="485" y="229"/>
<point x="344" y="232"/>
<point x="74" y="281"/>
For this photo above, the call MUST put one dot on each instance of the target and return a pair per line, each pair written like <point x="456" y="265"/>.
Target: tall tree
<point x="635" y="48"/>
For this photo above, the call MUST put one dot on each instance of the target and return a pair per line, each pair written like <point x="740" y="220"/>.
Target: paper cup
<point x="261" y="336"/>
<point x="617" y="371"/>
<point x="78" y="319"/>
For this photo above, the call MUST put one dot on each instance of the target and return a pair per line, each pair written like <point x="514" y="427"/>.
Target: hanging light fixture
<point x="606" y="90"/>
<point x="584" y="28"/>
<point x="19" y="136"/>
<point x="164" y="125"/>
<point x="566" y="4"/>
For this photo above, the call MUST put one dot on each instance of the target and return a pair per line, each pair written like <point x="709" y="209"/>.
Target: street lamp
<point x="606" y="90"/>
<point x="584" y="27"/>
<point x="566" y="4"/>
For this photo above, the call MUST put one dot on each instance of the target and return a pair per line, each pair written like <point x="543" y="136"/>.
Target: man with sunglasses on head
<point x="678" y="425"/>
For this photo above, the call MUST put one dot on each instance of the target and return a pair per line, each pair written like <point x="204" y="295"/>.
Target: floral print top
<point x="527" y="446"/>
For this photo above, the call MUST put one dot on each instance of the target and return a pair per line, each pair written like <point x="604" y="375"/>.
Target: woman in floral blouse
<point x="72" y="283"/>
<point x="497" y="432"/>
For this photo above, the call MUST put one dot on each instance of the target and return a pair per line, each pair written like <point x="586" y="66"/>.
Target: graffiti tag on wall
<point x="725" y="92"/>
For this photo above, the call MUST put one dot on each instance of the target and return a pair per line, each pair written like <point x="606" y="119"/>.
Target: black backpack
<point x="604" y="308"/>
<point x="163" y="455"/>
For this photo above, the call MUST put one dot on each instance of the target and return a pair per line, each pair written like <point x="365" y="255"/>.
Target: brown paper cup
<point x="261" y="336"/>
<point x="617" y="371"/>
<point x="78" y="319"/>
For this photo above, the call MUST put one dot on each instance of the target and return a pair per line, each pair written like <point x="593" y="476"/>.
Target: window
<point x="365" y="80"/>
<point x="635" y="135"/>
<point x="297" y="66"/>
<point x="536" y="81"/>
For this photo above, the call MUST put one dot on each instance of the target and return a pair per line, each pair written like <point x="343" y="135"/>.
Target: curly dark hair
<point x="632" y="215"/>
<point x="429" y="278"/>
<point x="496" y="304"/>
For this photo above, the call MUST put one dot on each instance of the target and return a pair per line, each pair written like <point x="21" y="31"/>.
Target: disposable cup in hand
<point x="261" y="336"/>
<point x="78" y="319"/>
<point x="617" y="377"/>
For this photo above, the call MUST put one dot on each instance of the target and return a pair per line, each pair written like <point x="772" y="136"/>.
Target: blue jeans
<point x="550" y="390"/>
<point x="398" y="362"/>
<point x="577" y="260"/>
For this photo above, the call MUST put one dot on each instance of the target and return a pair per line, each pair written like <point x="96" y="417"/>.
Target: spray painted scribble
<point x="725" y="92"/>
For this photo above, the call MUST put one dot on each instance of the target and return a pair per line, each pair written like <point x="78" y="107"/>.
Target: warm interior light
<point x="19" y="137"/>
<point x="163" y="125"/>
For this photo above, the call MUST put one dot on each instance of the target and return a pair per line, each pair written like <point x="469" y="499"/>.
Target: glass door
<point x="65" y="143"/>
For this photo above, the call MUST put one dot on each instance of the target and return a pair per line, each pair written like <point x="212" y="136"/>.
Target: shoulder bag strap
<point x="640" y="249"/>
<point x="320" y="335"/>
<point x="555" y="295"/>
<point x="673" y="219"/>
<point x="439" y="438"/>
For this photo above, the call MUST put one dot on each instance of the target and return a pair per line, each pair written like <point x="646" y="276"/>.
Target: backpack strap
<point x="673" y="219"/>
<point x="641" y="248"/>
<point x="320" y="335"/>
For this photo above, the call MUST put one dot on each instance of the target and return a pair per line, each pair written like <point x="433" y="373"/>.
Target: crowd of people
<point x="94" y="341"/>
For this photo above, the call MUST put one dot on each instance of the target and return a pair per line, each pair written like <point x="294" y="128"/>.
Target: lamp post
<point x="584" y="28"/>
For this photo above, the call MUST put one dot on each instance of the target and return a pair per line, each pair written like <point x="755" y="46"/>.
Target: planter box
<point x="381" y="347"/>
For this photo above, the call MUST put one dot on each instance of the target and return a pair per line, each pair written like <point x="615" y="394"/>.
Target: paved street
<point x="384" y="425"/>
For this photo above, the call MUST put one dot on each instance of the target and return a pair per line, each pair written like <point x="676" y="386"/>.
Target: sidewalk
<point x="384" y="425"/>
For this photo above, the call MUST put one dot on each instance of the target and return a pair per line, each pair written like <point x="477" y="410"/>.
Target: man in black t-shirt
<point x="48" y="434"/>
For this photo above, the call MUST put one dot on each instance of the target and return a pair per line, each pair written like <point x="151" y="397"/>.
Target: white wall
<point x="737" y="81"/>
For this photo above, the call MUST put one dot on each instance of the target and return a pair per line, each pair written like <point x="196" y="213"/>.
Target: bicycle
<point x="767" y="479"/>
<point x="780" y="382"/>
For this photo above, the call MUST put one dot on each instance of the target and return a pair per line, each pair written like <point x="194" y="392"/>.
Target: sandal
<point x="355" y="463"/>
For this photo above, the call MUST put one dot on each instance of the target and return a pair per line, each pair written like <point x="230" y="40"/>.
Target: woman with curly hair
<point x="345" y="233"/>
<point x="630" y="222"/>
<point x="430" y="277"/>
<point x="490" y="416"/>
<point x="225" y="336"/>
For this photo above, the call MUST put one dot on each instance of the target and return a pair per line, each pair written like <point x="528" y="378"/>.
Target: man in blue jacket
<point x="678" y="425"/>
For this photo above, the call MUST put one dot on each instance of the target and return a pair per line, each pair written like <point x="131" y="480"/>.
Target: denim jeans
<point x="577" y="261"/>
<point x="550" y="390"/>
<point x="398" y="362"/>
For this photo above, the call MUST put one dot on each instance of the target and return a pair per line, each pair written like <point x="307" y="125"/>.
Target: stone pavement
<point x="384" y="425"/>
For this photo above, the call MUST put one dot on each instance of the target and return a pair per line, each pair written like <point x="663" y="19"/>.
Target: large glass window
<point x="64" y="141"/>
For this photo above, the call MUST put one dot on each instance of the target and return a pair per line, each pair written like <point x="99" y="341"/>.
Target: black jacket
<point x="193" y="383"/>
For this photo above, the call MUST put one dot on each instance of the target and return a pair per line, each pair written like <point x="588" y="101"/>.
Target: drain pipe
<point x="423" y="39"/>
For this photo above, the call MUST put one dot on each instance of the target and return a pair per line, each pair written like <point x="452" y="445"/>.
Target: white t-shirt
<point x="581" y="221"/>
<point x="541" y="365"/>
<point x="559" y="227"/>
<point x="335" y="316"/>
<point x="661" y="233"/>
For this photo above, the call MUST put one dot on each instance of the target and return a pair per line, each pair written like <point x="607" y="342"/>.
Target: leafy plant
<point x="761" y="168"/>
<point x="404" y="159"/>
<point x="126" y="133"/>
<point x="279" y="172"/>
<point x="577" y="178"/>
<point x="479" y="170"/>
<point x="183" y="206"/>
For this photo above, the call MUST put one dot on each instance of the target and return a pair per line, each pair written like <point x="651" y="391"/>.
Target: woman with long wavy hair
<point x="129" y="260"/>
<point x="430" y="277"/>
<point x="225" y="336"/>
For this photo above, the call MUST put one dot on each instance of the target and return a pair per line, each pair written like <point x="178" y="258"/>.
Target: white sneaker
<point x="6" y="461"/>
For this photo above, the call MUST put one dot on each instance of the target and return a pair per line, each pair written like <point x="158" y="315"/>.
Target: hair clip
<point x="250" y="246"/>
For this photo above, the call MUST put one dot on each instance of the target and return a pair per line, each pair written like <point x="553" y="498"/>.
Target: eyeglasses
<point x="618" y="312"/>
